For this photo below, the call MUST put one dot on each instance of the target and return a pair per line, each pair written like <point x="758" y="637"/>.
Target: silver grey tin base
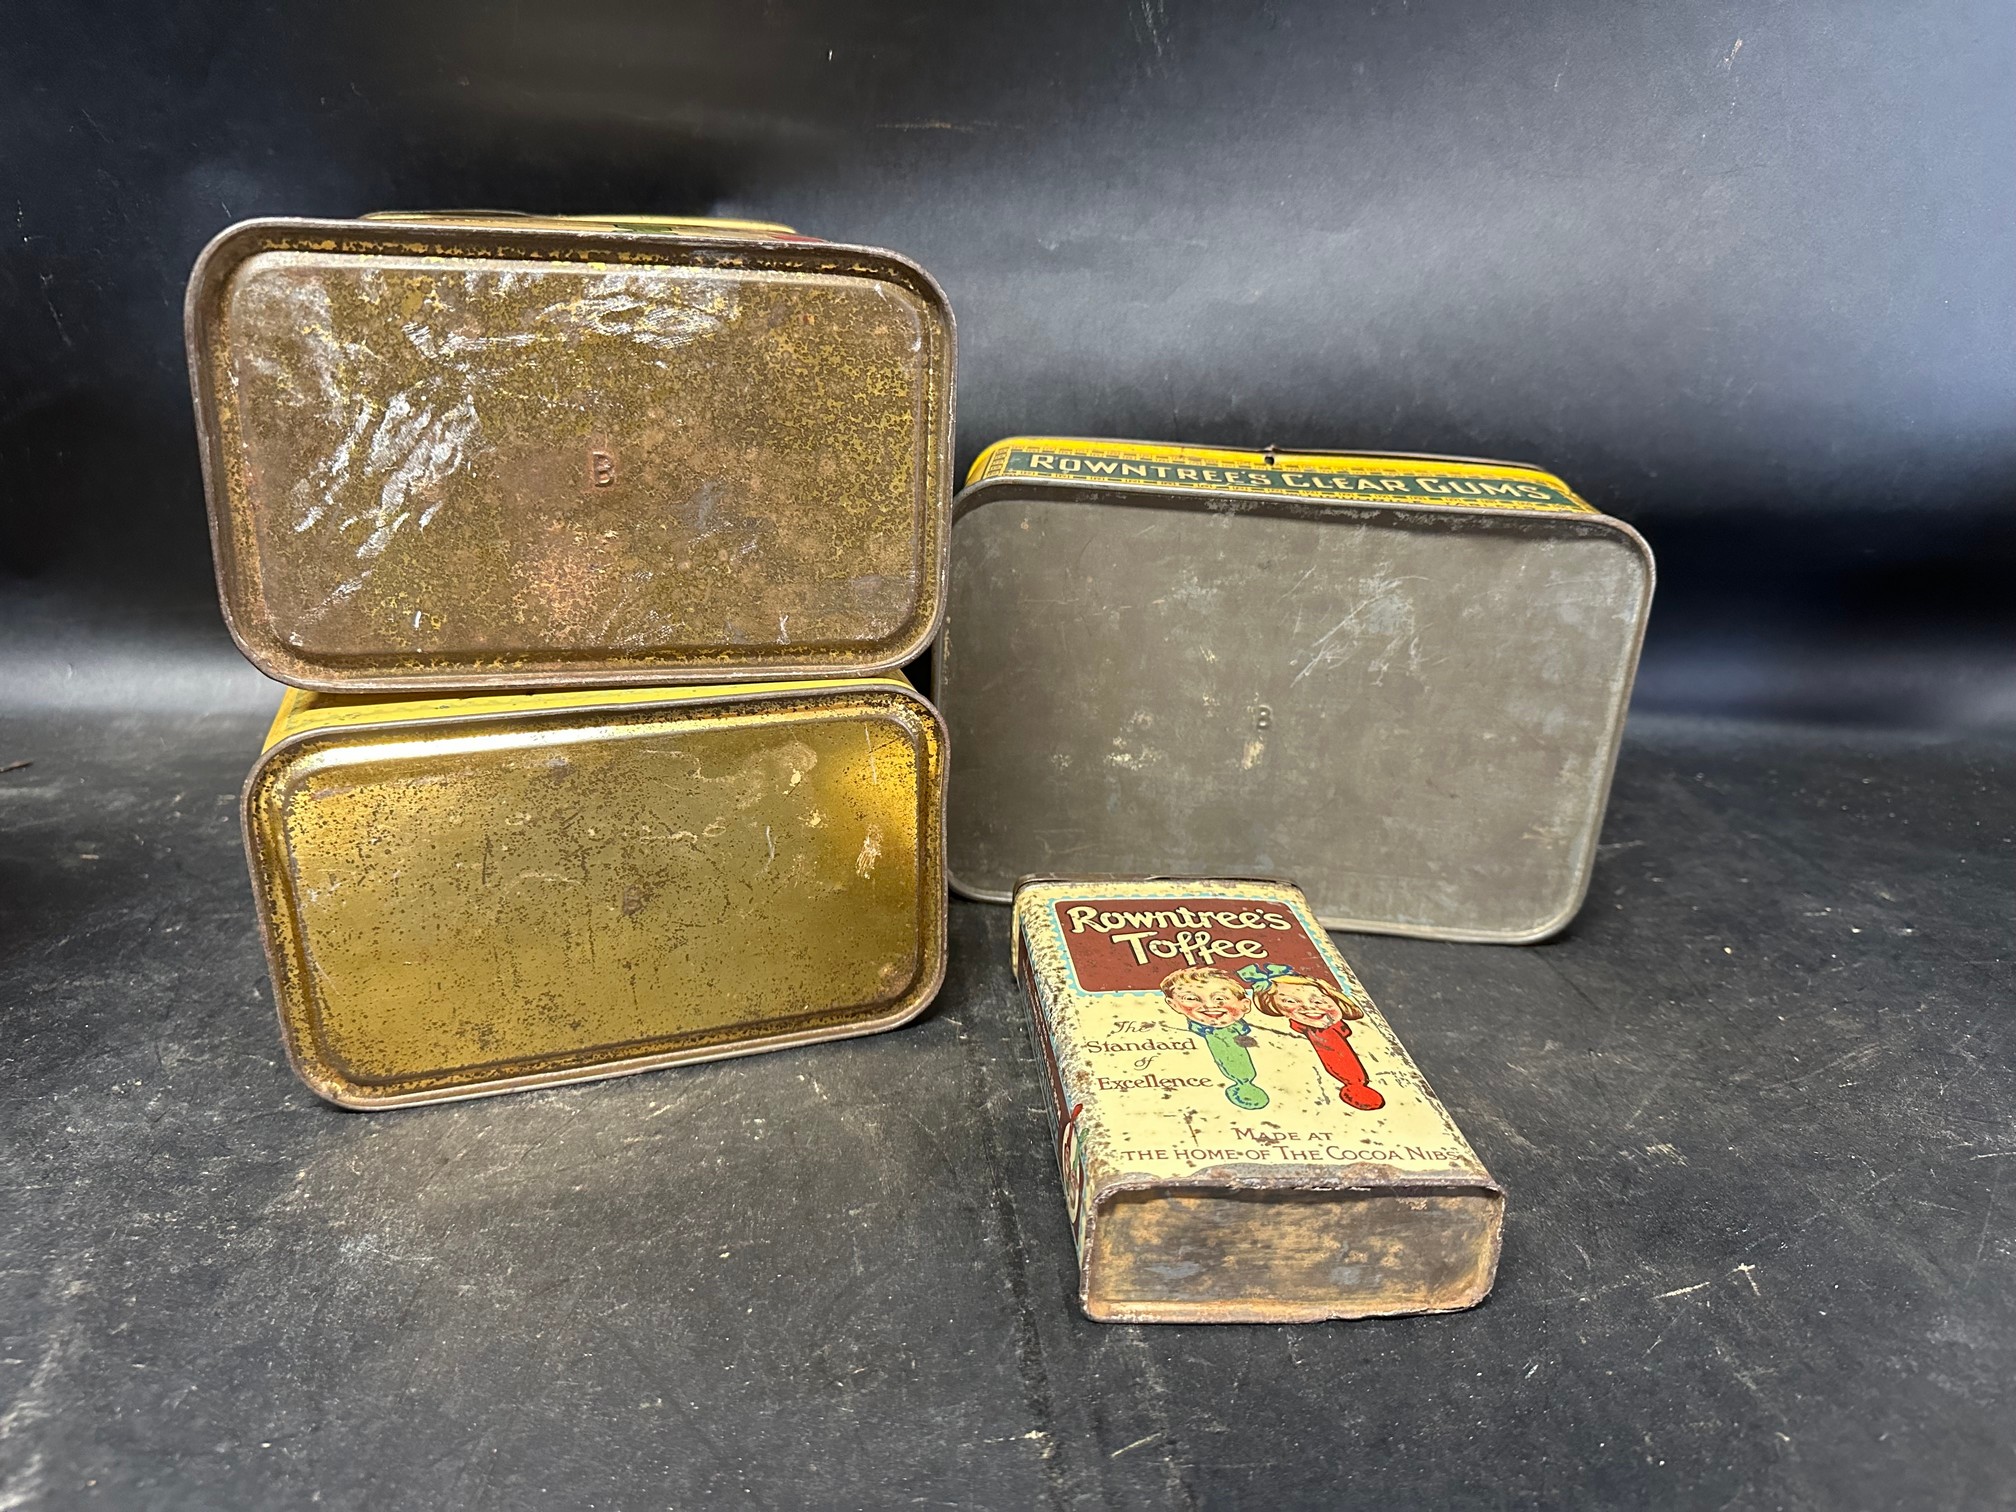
<point x="1413" y="713"/>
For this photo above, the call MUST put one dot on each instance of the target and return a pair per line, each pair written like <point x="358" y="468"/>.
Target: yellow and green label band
<point x="1369" y="479"/>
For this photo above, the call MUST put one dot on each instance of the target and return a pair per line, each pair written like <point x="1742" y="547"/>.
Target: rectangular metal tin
<point x="472" y="895"/>
<point x="1406" y="694"/>
<point x="1271" y="1154"/>
<point x="468" y="452"/>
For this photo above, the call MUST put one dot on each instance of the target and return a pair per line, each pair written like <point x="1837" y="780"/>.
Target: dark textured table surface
<point x="1755" y="1112"/>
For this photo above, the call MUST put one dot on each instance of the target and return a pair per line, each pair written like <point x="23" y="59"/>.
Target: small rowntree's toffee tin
<point x="477" y="894"/>
<point x="1241" y="1137"/>
<point x="459" y="452"/>
<point x="1400" y="680"/>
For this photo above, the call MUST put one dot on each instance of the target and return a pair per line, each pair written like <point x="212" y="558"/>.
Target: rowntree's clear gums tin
<point x="1400" y="680"/>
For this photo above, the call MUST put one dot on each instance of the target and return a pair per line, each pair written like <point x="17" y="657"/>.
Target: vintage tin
<point x="1241" y="1137"/>
<point x="1400" y="680"/>
<point x="460" y="452"/>
<point x="471" y="895"/>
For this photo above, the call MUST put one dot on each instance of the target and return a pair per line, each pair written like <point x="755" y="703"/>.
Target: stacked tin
<point x="589" y="549"/>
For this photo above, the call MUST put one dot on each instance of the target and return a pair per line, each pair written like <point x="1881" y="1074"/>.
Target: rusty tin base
<point x="467" y="453"/>
<point x="467" y="896"/>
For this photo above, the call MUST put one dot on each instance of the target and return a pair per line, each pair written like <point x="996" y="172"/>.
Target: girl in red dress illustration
<point x="1318" y="1011"/>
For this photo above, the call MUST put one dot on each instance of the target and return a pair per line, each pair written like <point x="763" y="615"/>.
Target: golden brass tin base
<point x="466" y="896"/>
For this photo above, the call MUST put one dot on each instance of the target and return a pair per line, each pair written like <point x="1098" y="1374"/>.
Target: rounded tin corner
<point x="318" y="1077"/>
<point x="888" y="663"/>
<point x="272" y="660"/>
<point x="236" y="244"/>
<point x="986" y="491"/>
<point x="918" y="279"/>
<point x="975" y="894"/>
<point x="1631" y="536"/>
<point x="899" y="688"/>
<point x="1554" y="923"/>
<point x="891" y="680"/>
<point x="922" y="993"/>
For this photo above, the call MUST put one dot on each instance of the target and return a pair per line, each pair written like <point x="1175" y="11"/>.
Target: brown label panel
<point x="1132" y="944"/>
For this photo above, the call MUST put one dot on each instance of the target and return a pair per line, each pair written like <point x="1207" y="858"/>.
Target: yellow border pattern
<point x="1334" y="477"/>
<point x="302" y="710"/>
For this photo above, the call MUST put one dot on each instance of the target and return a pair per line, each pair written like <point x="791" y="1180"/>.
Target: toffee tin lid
<point x="469" y="451"/>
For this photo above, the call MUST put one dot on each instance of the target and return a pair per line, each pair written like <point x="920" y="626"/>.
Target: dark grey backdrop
<point x="1741" y="272"/>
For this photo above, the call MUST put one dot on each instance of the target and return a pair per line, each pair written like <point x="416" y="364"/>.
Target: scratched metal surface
<point x="461" y="904"/>
<point x="1411" y="714"/>
<point x="1754" y="1111"/>
<point x="454" y="456"/>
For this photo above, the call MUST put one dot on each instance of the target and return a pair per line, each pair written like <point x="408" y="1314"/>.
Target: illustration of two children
<point x="1215" y="1003"/>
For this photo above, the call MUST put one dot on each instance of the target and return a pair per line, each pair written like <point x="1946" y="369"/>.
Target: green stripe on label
<point x="1372" y="487"/>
